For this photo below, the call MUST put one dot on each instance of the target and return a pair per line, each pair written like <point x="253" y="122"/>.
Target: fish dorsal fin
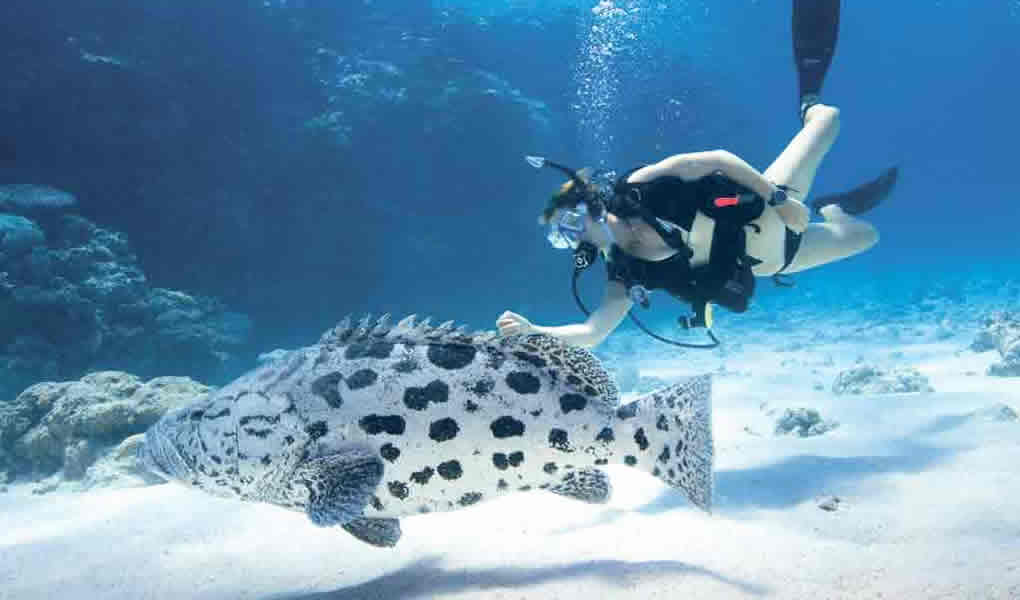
<point x="577" y="366"/>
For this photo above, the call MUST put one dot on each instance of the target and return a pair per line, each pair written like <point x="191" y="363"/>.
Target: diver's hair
<point x="567" y="197"/>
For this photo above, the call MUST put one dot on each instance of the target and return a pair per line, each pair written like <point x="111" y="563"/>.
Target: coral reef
<point x="73" y="300"/>
<point x="82" y="430"/>
<point x="1001" y="332"/>
<point x="870" y="379"/>
<point x="805" y="422"/>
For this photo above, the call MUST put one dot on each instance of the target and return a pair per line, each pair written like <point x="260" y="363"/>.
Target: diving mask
<point x="566" y="231"/>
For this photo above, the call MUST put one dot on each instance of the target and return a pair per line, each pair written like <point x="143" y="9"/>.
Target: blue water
<point x="197" y="148"/>
<point x="273" y="166"/>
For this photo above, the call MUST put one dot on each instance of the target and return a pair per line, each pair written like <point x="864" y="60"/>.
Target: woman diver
<point x="703" y="225"/>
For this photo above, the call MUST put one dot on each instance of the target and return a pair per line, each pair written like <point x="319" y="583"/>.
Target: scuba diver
<point x="701" y="226"/>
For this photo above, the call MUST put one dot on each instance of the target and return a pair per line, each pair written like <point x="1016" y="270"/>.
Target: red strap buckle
<point x="727" y="201"/>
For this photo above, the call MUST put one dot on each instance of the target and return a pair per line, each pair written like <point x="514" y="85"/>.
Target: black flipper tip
<point x="864" y="197"/>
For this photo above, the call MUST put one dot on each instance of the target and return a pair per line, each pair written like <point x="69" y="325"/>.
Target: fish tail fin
<point x="673" y="435"/>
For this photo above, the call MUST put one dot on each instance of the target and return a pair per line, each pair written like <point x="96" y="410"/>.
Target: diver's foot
<point x="862" y="198"/>
<point x="832" y="213"/>
<point x="806" y="102"/>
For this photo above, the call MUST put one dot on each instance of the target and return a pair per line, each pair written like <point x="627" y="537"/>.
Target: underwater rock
<point x="119" y="468"/>
<point x="28" y="198"/>
<point x="805" y="422"/>
<point x="73" y="299"/>
<point x="830" y="503"/>
<point x="67" y="426"/>
<point x="996" y="412"/>
<point x="1001" y="332"/>
<point x="18" y="236"/>
<point x="361" y="91"/>
<point x="869" y="379"/>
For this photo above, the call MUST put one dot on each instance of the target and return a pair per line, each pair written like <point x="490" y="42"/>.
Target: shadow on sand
<point x="426" y="579"/>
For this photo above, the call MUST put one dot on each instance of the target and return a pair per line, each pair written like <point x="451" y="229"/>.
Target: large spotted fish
<point x="377" y="422"/>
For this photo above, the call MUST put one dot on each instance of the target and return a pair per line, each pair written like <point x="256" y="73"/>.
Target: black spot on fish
<point x="550" y="468"/>
<point x="523" y="383"/>
<point x="470" y="406"/>
<point x="422" y="477"/>
<point x="389" y="452"/>
<point x="516" y="458"/>
<point x="376" y="424"/>
<point x="373" y="349"/>
<point x="443" y="430"/>
<point x="483" y="386"/>
<point x="417" y="398"/>
<point x="316" y="430"/>
<point x="406" y="365"/>
<point x="590" y="391"/>
<point x="664" y="455"/>
<point x="640" y="439"/>
<point x="450" y="470"/>
<point x="327" y="388"/>
<point x="196" y="415"/>
<point x="629" y="460"/>
<point x="558" y="439"/>
<point x="606" y="436"/>
<point x="451" y="356"/>
<point x="266" y="460"/>
<point x="501" y="484"/>
<point x="627" y="411"/>
<point x="662" y="424"/>
<point x="574" y="380"/>
<point x="398" y="489"/>
<point x="223" y="413"/>
<point x="569" y="402"/>
<point x="531" y="359"/>
<point x="259" y="418"/>
<point x="500" y="462"/>
<point x="469" y="498"/>
<point x="288" y="439"/>
<point x="362" y="379"/>
<point x="505" y="427"/>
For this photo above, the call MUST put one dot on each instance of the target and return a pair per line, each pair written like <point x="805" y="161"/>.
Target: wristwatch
<point x="778" y="197"/>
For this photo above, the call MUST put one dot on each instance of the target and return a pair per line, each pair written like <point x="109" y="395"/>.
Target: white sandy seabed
<point x="930" y="508"/>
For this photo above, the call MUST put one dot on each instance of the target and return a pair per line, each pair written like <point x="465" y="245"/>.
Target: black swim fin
<point x="863" y="197"/>
<point x="815" y="31"/>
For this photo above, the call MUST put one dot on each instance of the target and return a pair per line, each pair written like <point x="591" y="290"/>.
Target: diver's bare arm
<point x="690" y="166"/>
<point x="600" y="323"/>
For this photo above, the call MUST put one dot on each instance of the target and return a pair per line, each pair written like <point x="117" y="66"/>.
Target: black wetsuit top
<point x="726" y="278"/>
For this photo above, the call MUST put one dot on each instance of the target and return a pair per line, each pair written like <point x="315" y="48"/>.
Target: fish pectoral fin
<point x="384" y="533"/>
<point x="586" y="485"/>
<point x="339" y="485"/>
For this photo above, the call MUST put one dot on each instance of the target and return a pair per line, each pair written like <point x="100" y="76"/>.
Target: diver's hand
<point x="794" y="214"/>
<point x="511" y="323"/>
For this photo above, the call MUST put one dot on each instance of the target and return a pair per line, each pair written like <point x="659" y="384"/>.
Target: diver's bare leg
<point x="839" y="237"/>
<point x="797" y="165"/>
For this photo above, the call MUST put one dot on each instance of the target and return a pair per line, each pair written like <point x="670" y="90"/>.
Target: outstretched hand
<point x="511" y="323"/>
